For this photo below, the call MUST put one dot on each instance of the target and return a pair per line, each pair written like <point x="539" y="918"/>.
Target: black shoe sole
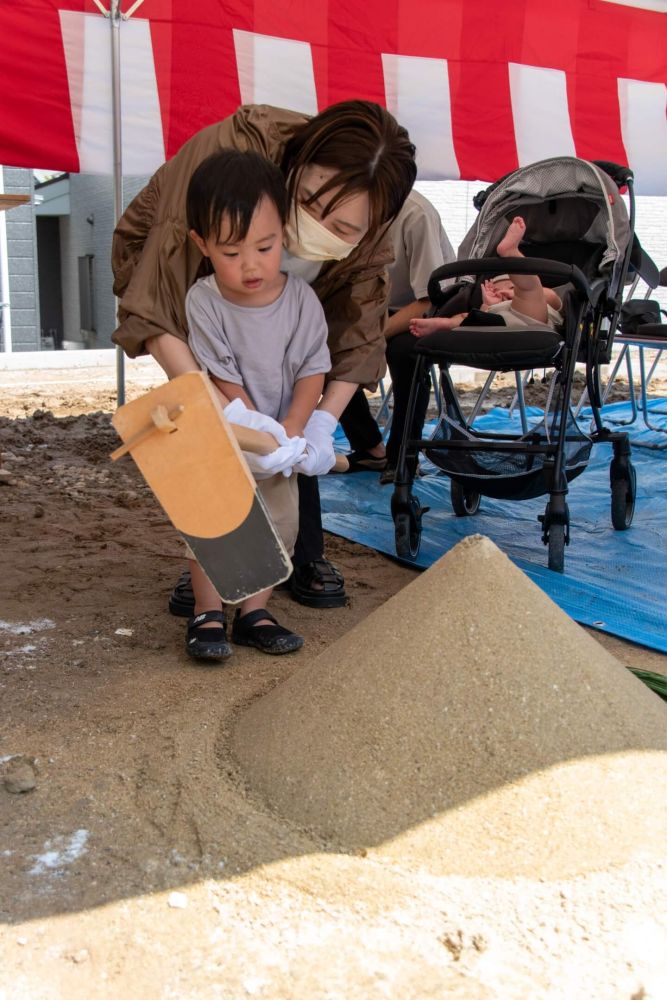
<point x="213" y="652"/>
<point x="319" y="600"/>
<point x="278" y="647"/>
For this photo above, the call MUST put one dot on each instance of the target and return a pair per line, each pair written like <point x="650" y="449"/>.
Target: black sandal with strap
<point x="273" y="639"/>
<point x="364" y="461"/>
<point x="318" y="584"/>
<point x="208" y="643"/>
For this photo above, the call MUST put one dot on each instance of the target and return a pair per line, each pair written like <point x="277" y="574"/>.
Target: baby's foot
<point x="509" y="245"/>
<point x="422" y="327"/>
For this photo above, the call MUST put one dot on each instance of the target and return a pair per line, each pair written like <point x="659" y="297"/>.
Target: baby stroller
<point x="579" y="239"/>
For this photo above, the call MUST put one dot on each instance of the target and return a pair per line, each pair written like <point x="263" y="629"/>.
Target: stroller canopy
<point x="564" y="200"/>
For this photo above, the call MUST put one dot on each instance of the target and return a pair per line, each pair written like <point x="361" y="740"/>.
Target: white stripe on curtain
<point x="417" y="94"/>
<point x="277" y="71"/>
<point x="87" y="46"/>
<point x="644" y="131"/>
<point x="540" y="111"/>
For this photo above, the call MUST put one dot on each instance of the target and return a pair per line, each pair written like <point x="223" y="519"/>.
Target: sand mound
<point x="468" y="724"/>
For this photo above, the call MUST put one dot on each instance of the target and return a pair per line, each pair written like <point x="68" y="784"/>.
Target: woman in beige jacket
<point x="348" y="172"/>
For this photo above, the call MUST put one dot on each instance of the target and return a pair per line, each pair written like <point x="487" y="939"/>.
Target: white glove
<point x="283" y="459"/>
<point x="320" y="456"/>
<point x="237" y="412"/>
<point x="280" y="460"/>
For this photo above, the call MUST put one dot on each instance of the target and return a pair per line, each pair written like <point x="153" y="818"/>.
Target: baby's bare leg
<point x="528" y="292"/>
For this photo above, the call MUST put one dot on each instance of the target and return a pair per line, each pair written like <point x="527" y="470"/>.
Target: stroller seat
<point x="580" y="241"/>
<point x="492" y="348"/>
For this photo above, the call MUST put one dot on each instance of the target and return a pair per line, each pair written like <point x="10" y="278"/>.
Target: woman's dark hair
<point x="366" y="147"/>
<point x="232" y="183"/>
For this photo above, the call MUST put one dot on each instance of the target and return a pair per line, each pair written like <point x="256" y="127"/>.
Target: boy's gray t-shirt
<point x="266" y="349"/>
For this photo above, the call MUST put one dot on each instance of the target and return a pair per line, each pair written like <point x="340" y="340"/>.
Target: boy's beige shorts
<point x="281" y="498"/>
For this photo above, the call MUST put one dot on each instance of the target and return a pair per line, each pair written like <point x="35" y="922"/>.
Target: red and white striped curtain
<point x="482" y="86"/>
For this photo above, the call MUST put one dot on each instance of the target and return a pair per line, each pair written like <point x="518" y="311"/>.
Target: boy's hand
<point x="238" y="413"/>
<point x="293" y="428"/>
<point x="320" y="456"/>
<point x="280" y="460"/>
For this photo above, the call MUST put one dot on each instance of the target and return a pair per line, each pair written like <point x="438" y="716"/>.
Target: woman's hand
<point x="320" y="456"/>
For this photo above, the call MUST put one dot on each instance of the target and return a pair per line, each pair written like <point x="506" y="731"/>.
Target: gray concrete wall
<point x="91" y="198"/>
<point x="22" y="263"/>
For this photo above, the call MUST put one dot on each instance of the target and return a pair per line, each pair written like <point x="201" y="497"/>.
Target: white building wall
<point x="651" y="228"/>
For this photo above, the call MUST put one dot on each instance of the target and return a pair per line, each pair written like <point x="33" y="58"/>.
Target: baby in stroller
<point x="561" y="219"/>
<point x="519" y="300"/>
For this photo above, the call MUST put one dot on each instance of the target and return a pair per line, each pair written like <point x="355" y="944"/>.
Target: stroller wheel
<point x="556" y="531"/>
<point x="557" y="547"/>
<point x="464" y="502"/>
<point x="408" y="531"/>
<point x="623" y="493"/>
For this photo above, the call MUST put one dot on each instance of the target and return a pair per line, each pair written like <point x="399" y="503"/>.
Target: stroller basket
<point x="508" y="475"/>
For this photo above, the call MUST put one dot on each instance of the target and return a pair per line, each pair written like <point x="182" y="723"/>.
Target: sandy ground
<point x="141" y="864"/>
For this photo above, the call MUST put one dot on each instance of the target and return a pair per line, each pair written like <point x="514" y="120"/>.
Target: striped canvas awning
<point x="482" y="86"/>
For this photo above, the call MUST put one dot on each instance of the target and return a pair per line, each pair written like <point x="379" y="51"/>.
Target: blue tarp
<point x="615" y="581"/>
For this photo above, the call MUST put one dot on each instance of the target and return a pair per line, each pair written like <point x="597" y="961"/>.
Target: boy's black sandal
<point x="272" y="639"/>
<point x="182" y="598"/>
<point x="318" y="584"/>
<point x="207" y="643"/>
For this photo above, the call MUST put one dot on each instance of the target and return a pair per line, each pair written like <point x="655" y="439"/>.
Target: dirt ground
<point x="141" y="864"/>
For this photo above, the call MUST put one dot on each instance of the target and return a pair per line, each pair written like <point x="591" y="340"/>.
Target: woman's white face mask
<point x="308" y="239"/>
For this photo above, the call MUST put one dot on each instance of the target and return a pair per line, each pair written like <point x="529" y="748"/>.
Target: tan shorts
<point x="281" y="499"/>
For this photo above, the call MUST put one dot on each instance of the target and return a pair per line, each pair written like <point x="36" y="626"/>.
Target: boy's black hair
<point x="231" y="183"/>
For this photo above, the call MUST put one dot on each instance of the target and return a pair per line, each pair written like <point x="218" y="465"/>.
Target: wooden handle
<point x="263" y="443"/>
<point x="257" y="442"/>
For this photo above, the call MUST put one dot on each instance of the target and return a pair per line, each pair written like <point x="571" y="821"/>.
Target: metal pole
<point x="115" y="21"/>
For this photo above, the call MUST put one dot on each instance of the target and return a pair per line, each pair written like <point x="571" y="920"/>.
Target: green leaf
<point x="656" y="682"/>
